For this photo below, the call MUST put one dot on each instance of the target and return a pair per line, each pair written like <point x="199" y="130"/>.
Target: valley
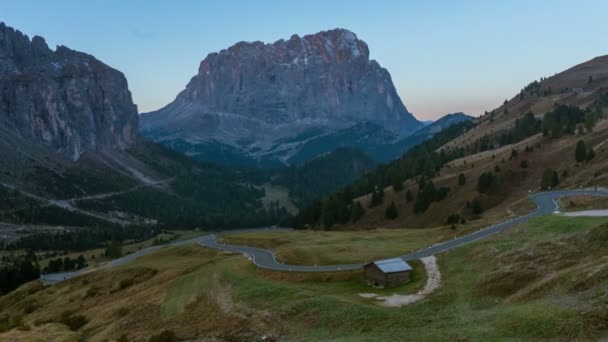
<point x="236" y="294"/>
<point x="285" y="192"/>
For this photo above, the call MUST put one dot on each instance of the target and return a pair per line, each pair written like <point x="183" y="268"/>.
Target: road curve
<point x="53" y="278"/>
<point x="546" y="203"/>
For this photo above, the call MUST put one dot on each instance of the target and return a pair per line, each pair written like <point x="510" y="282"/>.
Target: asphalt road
<point x="545" y="201"/>
<point x="263" y="258"/>
<point x="52" y="278"/>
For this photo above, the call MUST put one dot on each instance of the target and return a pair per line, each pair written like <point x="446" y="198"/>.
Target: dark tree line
<point x="562" y="120"/>
<point x="524" y="127"/>
<point x="83" y="239"/>
<point x="17" y="273"/>
<point x="65" y="264"/>
<point x="427" y="194"/>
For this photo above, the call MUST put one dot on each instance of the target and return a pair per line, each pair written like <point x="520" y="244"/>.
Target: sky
<point x="443" y="56"/>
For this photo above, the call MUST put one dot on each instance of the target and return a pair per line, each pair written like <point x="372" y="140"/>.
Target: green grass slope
<point x="546" y="280"/>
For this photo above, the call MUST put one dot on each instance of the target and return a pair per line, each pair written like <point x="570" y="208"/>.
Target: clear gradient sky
<point x="444" y="56"/>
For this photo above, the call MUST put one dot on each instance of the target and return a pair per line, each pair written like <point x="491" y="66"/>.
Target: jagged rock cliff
<point x="64" y="99"/>
<point x="267" y="101"/>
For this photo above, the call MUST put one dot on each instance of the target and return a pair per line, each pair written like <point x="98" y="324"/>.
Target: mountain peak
<point x="64" y="99"/>
<point x="252" y="96"/>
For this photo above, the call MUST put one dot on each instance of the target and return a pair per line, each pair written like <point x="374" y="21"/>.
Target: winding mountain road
<point x="546" y="204"/>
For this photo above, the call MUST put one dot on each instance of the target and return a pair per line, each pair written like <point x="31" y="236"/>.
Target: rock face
<point x="263" y="102"/>
<point x="64" y="99"/>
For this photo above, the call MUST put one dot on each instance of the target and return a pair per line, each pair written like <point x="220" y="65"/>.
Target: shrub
<point x="165" y="336"/>
<point x="74" y="322"/>
<point x="453" y="219"/>
<point x="124" y="283"/>
<point x="123" y="311"/>
<point x="91" y="292"/>
<point x="30" y="307"/>
<point x="523" y="164"/>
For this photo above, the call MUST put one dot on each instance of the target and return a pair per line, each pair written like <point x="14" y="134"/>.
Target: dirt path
<point x="588" y="213"/>
<point x="433" y="282"/>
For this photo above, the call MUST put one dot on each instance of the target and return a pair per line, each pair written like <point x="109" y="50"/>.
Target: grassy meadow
<point x="535" y="281"/>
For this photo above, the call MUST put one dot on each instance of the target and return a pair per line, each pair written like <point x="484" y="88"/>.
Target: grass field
<point x="546" y="279"/>
<point x="313" y="247"/>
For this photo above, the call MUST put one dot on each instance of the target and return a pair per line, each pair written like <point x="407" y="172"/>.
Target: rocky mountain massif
<point x="63" y="99"/>
<point x="72" y="156"/>
<point x="283" y="103"/>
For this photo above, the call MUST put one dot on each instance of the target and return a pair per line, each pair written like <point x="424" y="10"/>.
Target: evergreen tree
<point x="476" y="207"/>
<point x="461" y="179"/>
<point x="81" y="262"/>
<point x="114" y="250"/>
<point x="485" y="182"/>
<point x="408" y="196"/>
<point x="377" y="198"/>
<point x="580" y="153"/>
<point x="357" y="212"/>
<point x="550" y="179"/>
<point x="397" y="185"/>
<point x="391" y="212"/>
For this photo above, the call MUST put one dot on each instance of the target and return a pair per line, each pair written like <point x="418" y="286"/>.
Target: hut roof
<point x="393" y="265"/>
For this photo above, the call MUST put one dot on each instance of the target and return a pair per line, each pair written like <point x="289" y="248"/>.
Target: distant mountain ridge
<point x="392" y="151"/>
<point x="266" y="104"/>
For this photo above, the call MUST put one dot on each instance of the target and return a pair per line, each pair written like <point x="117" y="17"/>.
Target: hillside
<point x="542" y="280"/>
<point x="526" y="144"/>
<point x="584" y="85"/>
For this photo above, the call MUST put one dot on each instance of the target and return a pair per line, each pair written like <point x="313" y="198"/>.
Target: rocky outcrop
<point x="64" y="99"/>
<point x="267" y="100"/>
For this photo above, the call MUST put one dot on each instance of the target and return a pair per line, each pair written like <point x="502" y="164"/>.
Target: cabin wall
<point x="374" y="276"/>
<point x="398" y="278"/>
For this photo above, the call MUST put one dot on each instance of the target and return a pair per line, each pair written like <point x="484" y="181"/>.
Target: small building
<point x="387" y="273"/>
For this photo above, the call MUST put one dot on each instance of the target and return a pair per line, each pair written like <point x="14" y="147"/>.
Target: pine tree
<point x="377" y="197"/>
<point x="549" y="180"/>
<point x="408" y="196"/>
<point x="461" y="179"/>
<point x="580" y="153"/>
<point x="391" y="211"/>
<point x="358" y="212"/>
<point x="397" y="185"/>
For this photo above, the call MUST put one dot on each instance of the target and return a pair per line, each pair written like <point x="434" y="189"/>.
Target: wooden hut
<point x="387" y="273"/>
